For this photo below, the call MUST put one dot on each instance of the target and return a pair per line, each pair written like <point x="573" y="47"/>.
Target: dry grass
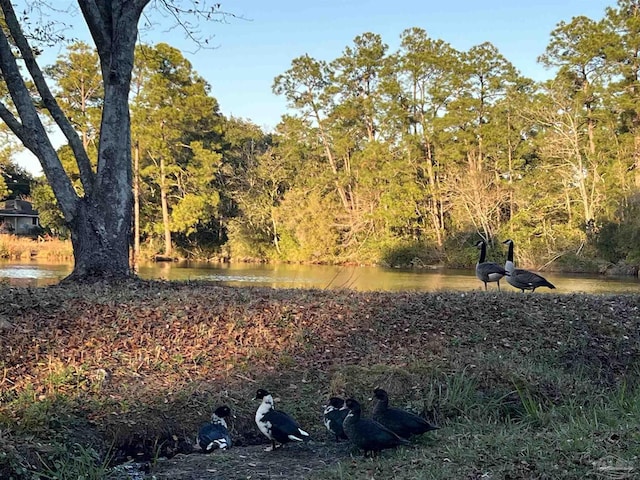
<point x="16" y="247"/>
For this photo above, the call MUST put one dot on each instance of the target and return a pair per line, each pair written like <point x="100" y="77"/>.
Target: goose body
<point x="401" y="422"/>
<point x="488" y="272"/>
<point x="334" y="415"/>
<point x="277" y="426"/>
<point x="368" y="435"/>
<point x="215" y="435"/>
<point x="520" y="278"/>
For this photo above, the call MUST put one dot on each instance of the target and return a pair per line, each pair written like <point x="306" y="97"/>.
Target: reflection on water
<point x="32" y="274"/>
<point x="319" y="276"/>
<point x="22" y="271"/>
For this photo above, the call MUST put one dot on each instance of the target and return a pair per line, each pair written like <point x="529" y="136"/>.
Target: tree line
<point x="395" y="157"/>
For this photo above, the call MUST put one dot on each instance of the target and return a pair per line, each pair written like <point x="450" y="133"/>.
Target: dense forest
<point x="400" y="157"/>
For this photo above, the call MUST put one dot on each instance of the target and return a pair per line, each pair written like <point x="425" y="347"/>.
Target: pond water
<point x="35" y="273"/>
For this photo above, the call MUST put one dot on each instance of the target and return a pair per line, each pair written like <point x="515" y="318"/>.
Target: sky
<point x="252" y="49"/>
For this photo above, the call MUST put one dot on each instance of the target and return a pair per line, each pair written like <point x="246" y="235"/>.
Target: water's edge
<point x="37" y="274"/>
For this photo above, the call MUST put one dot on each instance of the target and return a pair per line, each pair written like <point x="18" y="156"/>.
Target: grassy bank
<point x="15" y="247"/>
<point x="522" y="386"/>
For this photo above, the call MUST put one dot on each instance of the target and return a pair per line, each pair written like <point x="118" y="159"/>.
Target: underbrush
<point x="522" y="386"/>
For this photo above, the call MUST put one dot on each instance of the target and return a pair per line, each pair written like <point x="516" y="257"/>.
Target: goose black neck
<point x="510" y="254"/>
<point x="483" y="252"/>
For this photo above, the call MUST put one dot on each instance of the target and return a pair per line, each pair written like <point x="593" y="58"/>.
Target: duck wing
<point x="283" y="427"/>
<point x="413" y="424"/>
<point x="212" y="436"/>
<point x="371" y="435"/>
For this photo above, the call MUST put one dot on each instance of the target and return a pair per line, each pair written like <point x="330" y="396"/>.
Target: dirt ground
<point x="291" y="462"/>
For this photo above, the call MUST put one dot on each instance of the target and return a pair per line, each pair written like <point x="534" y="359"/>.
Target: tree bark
<point x="99" y="253"/>
<point x="136" y="208"/>
<point x="165" y="210"/>
<point x="101" y="231"/>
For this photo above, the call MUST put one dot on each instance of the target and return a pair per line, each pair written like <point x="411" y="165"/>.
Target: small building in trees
<point x="18" y="216"/>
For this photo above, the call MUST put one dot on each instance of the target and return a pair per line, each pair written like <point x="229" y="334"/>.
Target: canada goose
<point x="520" y="278"/>
<point x="215" y="435"/>
<point x="334" y="414"/>
<point x="277" y="426"/>
<point x="366" y="434"/>
<point x="488" y="271"/>
<point x="399" y="421"/>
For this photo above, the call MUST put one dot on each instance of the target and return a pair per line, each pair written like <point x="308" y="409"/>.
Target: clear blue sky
<point x="249" y="53"/>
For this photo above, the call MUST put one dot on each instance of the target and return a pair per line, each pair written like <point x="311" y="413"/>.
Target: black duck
<point x="399" y="421"/>
<point x="368" y="435"/>
<point x="215" y="435"/>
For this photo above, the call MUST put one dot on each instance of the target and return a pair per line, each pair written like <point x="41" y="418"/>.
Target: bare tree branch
<point x="99" y="26"/>
<point x="199" y="10"/>
<point x="50" y="103"/>
<point x="13" y="123"/>
<point x="32" y="133"/>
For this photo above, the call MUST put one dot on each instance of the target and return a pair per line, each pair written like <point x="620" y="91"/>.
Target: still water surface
<point x="36" y="273"/>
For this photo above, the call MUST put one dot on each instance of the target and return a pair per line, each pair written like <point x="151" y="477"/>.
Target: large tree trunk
<point x="101" y="226"/>
<point x="100" y="252"/>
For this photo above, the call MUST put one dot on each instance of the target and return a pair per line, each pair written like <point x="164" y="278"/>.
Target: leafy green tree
<point x="295" y="168"/>
<point x="426" y="80"/>
<point x="305" y="86"/>
<point x="179" y="129"/>
<point x="578" y="49"/>
<point x="622" y="62"/>
<point x="571" y="119"/>
<point x="472" y="133"/>
<point x="79" y="90"/>
<point x="4" y="189"/>
<point x="50" y="215"/>
<point x="16" y="179"/>
<point x="355" y="78"/>
<point x="253" y="185"/>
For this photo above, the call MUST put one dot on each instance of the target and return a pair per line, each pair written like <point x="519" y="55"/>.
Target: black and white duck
<point x="334" y="414"/>
<point x="488" y="272"/>
<point x="215" y="435"/>
<point x="368" y="435"/>
<point x="520" y="278"/>
<point x="277" y="426"/>
<point x="399" y="421"/>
